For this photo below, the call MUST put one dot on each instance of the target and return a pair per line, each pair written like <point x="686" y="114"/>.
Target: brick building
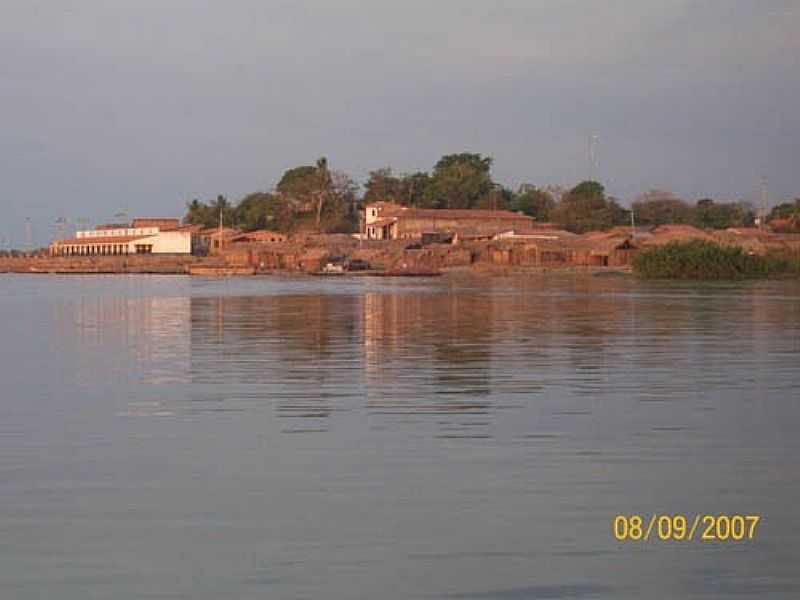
<point x="388" y="221"/>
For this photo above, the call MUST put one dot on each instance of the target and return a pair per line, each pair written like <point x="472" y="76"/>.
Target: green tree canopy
<point x="382" y="185"/>
<point x="708" y="214"/>
<point x="308" y="189"/>
<point x="586" y="208"/>
<point x="196" y="213"/>
<point x="657" y="207"/>
<point x="307" y="197"/>
<point x="459" y="181"/>
<point x="786" y="210"/>
<point x="298" y="181"/>
<point x="409" y="189"/>
<point x="414" y="188"/>
<point x="533" y="202"/>
<point x="207" y="214"/>
<point x="340" y="213"/>
<point x="262" y="210"/>
<point x="498" y="198"/>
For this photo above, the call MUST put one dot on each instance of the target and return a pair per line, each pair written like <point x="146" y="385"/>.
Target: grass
<point x="700" y="259"/>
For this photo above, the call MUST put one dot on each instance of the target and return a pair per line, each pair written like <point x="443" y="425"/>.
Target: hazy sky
<point x="142" y="105"/>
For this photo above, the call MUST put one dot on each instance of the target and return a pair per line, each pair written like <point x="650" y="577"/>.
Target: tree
<point x="708" y="214"/>
<point x="262" y="210"/>
<point x="408" y="189"/>
<point x="556" y="192"/>
<point x="197" y="213"/>
<point x="341" y="213"/>
<point x="533" y="202"/>
<point x="414" y="189"/>
<point x="794" y="215"/>
<point x="586" y="208"/>
<point x="208" y="214"/>
<point x="297" y="181"/>
<point x="306" y="196"/>
<point x="658" y="207"/>
<point x="459" y="181"/>
<point x="322" y="188"/>
<point x="224" y="211"/>
<point x="786" y="210"/>
<point x="307" y="187"/>
<point x="382" y="185"/>
<point x="498" y="198"/>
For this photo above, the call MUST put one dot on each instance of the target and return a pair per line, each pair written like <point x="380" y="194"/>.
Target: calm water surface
<point x="359" y="438"/>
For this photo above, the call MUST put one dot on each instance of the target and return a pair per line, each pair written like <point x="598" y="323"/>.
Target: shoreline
<point x="214" y="267"/>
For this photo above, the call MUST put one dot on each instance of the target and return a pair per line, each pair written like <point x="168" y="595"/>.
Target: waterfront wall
<point x="149" y="263"/>
<point x="265" y="258"/>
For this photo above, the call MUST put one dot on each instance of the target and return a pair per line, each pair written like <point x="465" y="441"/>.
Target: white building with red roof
<point x="142" y="236"/>
<point x="389" y="221"/>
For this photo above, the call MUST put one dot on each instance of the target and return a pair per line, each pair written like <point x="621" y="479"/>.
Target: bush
<point x="699" y="259"/>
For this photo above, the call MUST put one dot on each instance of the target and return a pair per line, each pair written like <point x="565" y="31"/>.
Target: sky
<point x="138" y="106"/>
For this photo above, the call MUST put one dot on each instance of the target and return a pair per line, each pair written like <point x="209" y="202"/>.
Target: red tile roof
<point x="161" y="223"/>
<point x="454" y="213"/>
<point x="261" y="235"/>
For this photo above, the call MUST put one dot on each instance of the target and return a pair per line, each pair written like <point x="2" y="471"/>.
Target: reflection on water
<point x="451" y="350"/>
<point x="151" y="335"/>
<point x="465" y="438"/>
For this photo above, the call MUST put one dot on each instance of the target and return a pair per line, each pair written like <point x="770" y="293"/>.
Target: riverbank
<point x="388" y="260"/>
<point x="545" y="250"/>
<point x="212" y="267"/>
<point x="82" y="265"/>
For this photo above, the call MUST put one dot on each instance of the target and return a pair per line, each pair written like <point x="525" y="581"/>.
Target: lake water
<point x="336" y="438"/>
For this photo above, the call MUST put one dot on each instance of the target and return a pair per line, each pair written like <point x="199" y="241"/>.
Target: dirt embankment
<point x="313" y="253"/>
<point x="310" y="254"/>
<point x="168" y="265"/>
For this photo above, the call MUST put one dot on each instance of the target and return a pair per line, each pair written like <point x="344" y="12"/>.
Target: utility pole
<point x="592" y="139"/>
<point x="28" y="234"/>
<point x="762" y="221"/>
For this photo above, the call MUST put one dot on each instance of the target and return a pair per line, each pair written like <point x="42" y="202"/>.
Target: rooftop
<point x="452" y="213"/>
<point x="117" y="239"/>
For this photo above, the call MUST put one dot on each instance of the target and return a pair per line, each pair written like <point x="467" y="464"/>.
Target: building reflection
<point x="450" y="351"/>
<point x="427" y="353"/>
<point x="143" y="340"/>
<point x="298" y="352"/>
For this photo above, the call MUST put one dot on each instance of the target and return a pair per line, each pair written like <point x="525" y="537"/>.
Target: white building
<point x="143" y="236"/>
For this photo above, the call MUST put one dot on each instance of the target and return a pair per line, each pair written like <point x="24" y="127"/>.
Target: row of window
<point x="116" y="232"/>
<point x="110" y="249"/>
